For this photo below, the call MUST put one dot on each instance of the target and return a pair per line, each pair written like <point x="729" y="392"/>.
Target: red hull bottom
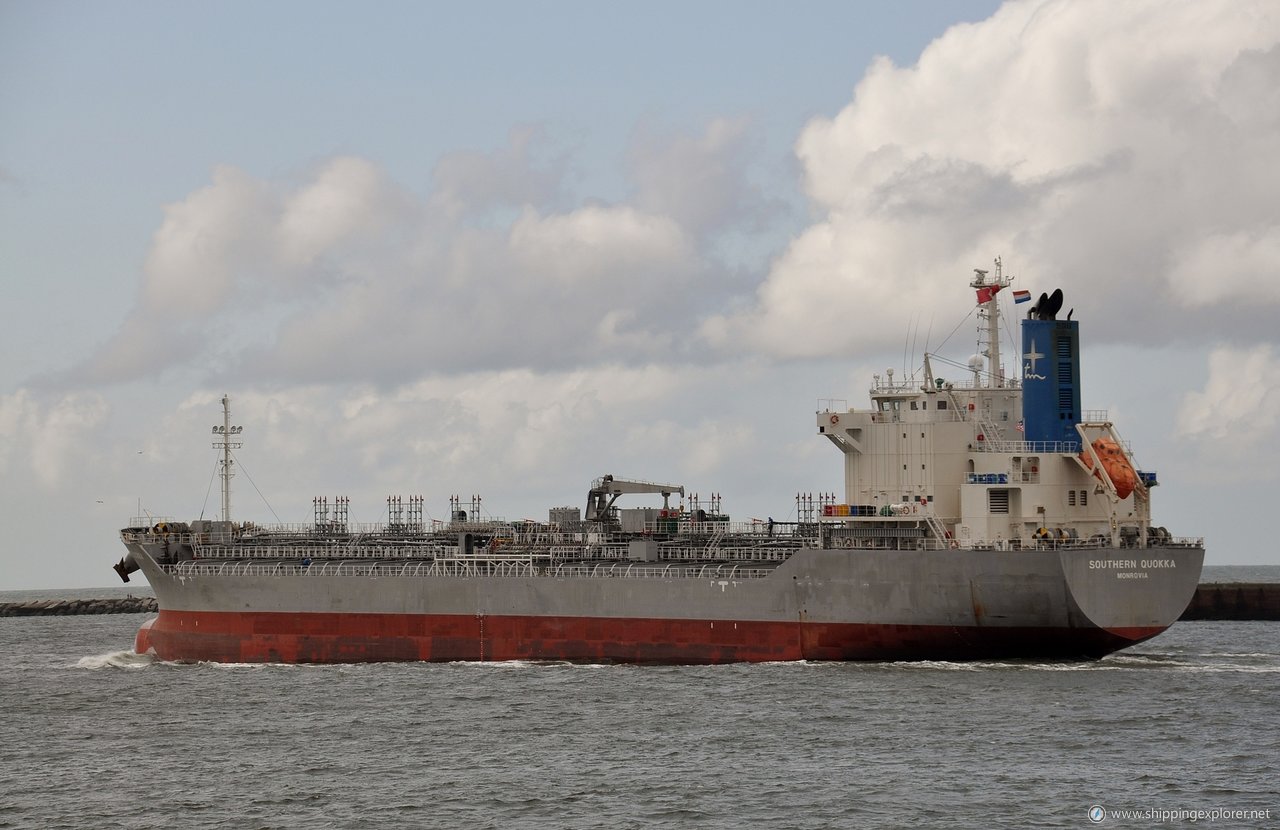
<point x="190" y="636"/>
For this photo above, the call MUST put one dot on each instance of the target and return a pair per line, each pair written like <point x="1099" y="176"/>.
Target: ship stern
<point x="1131" y="594"/>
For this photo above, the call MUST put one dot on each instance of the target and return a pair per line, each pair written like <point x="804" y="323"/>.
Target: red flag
<point x="987" y="292"/>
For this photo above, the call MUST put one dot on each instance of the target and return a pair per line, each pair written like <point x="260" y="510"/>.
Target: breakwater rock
<point x="1235" y="601"/>
<point x="70" y="607"/>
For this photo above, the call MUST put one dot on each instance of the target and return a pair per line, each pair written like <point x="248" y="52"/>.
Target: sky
<point x="506" y="248"/>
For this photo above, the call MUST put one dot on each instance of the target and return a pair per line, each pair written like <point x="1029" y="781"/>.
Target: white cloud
<point x="705" y="448"/>
<point x="350" y="198"/>
<point x="1239" y="409"/>
<point x="701" y="181"/>
<point x="1105" y="148"/>
<point x="471" y="182"/>
<point x="340" y="275"/>
<point x="595" y="243"/>
<point x="205" y="242"/>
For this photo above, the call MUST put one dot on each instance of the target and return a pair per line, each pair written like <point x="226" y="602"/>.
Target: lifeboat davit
<point x="1115" y="463"/>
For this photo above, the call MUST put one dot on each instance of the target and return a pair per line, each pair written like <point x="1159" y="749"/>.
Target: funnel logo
<point x="1029" y="372"/>
<point x="1097" y="814"/>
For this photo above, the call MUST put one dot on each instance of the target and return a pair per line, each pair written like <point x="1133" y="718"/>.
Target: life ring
<point x="835" y="419"/>
<point x="954" y="544"/>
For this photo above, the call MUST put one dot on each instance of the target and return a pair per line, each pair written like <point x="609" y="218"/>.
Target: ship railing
<point x="755" y="528"/>
<point x="626" y="570"/>
<point x="345" y="551"/>
<point x="889" y="387"/>
<point x="338" y="568"/>
<point x="1084" y="543"/>
<point x="683" y="553"/>
<point x="423" y="568"/>
<point x="679" y="569"/>
<point x="1035" y="447"/>
<point x="463" y="568"/>
<point x="517" y="556"/>
<point x="1027" y="447"/>
<point x="490" y="525"/>
<point x="913" y="385"/>
<point x="324" y="528"/>
<point x="478" y="568"/>
<point x="893" y="541"/>
<point x="149" y="521"/>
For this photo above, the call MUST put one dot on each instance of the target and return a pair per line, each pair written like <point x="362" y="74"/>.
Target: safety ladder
<point x="935" y="525"/>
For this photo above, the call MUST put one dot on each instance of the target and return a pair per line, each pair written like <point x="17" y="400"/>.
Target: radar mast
<point x="989" y="319"/>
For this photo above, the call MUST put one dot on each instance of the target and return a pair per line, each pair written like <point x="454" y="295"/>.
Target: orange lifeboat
<point x="1117" y="466"/>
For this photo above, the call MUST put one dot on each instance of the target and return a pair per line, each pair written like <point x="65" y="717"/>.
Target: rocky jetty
<point x="70" y="607"/>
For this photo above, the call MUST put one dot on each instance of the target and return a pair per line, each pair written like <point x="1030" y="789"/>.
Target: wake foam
<point x="116" y="660"/>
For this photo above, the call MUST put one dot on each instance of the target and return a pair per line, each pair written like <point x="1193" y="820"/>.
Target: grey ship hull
<point x="818" y="604"/>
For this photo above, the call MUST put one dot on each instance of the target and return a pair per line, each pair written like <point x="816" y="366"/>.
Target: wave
<point x="117" y="660"/>
<point x="1134" y="662"/>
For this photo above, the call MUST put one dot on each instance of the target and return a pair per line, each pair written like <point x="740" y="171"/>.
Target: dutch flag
<point x="1022" y="296"/>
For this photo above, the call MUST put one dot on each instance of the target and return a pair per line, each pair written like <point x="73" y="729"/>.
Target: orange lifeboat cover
<point x="1117" y="466"/>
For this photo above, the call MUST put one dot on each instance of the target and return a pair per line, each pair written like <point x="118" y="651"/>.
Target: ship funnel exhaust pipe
<point x="125" y="567"/>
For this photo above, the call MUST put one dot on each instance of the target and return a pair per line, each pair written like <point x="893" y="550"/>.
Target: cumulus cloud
<point x="235" y="246"/>
<point x="582" y="246"/>
<point x="469" y="182"/>
<point x="340" y="275"/>
<point x="700" y="181"/>
<point x="349" y="200"/>
<point x="1125" y="153"/>
<point x="205" y="244"/>
<point x="1240" y="404"/>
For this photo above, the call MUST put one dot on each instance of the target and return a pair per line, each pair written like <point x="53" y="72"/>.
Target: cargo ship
<point x="983" y="517"/>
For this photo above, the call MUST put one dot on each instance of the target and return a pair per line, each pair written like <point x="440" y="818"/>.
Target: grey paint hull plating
<point x="869" y="604"/>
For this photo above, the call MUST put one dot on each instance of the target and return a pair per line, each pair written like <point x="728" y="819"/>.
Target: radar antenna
<point x="223" y="442"/>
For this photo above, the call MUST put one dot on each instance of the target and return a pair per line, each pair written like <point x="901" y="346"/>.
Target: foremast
<point x="224" y="442"/>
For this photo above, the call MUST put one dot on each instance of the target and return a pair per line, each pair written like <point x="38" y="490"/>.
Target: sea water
<point x="95" y="736"/>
